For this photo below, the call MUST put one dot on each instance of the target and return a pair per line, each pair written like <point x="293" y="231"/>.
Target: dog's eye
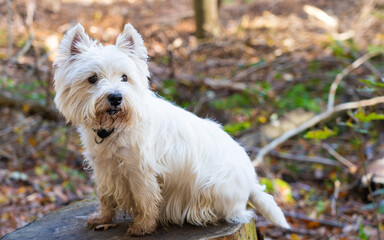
<point x="124" y="78"/>
<point x="93" y="79"/>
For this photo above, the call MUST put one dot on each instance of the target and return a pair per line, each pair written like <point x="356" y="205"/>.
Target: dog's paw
<point x="141" y="230"/>
<point x="96" y="219"/>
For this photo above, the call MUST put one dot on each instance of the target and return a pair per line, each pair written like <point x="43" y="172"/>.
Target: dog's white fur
<point x="161" y="163"/>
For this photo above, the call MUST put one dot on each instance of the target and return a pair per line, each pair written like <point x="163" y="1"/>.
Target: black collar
<point x="102" y="133"/>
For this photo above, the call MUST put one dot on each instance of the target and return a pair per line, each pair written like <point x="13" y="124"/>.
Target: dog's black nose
<point x="115" y="99"/>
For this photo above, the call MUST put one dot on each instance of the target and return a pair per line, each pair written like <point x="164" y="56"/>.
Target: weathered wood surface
<point x="70" y="223"/>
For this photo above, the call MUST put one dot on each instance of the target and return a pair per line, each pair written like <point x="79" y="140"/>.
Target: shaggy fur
<point x="160" y="163"/>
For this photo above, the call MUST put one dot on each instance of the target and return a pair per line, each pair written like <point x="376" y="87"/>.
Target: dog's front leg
<point x="107" y="211"/>
<point x="147" y="197"/>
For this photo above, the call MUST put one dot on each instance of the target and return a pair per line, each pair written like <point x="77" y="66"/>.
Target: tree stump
<point x="70" y="223"/>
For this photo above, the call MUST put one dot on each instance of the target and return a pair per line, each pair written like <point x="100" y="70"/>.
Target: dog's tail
<point x="267" y="206"/>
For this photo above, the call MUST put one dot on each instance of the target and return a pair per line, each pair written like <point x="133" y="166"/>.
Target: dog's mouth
<point x="110" y="117"/>
<point x="113" y="111"/>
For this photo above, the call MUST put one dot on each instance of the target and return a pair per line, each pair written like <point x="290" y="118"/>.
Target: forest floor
<point x="269" y="70"/>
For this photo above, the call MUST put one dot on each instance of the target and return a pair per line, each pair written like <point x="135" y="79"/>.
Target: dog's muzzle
<point x="115" y="99"/>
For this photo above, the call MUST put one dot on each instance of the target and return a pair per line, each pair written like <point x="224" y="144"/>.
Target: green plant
<point x="321" y="134"/>
<point x="234" y="128"/>
<point x="362" y="234"/>
<point x="364" y="117"/>
<point x="342" y="49"/>
<point x="371" y="206"/>
<point x="246" y="99"/>
<point x="320" y="207"/>
<point x="371" y="85"/>
<point x="280" y="186"/>
<point x="31" y="90"/>
<point x="169" y="89"/>
<point x="299" y="97"/>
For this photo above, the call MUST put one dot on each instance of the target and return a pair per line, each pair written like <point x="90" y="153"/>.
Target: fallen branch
<point x="340" y="76"/>
<point x="321" y="15"/>
<point x="249" y="71"/>
<point x="352" y="167"/>
<point x="214" y="84"/>
<point x="304" y="232"/>
<point x="304" y="217"/>
<point x="22" y="51"/>
<point x="28" y="107"/>
<point x="330" y="111"/>
<point x="335" y="197"/>
<point x="301" y="158"/>
<point x="313" y="121"/>
<point x="235" y="84"/>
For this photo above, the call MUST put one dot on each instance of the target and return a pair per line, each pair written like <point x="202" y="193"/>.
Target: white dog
<point x="149" y="157"/>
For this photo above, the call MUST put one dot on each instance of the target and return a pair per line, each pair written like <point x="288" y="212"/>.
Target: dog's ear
<point x="132" y="41"/>
<point x="74" y="42"/>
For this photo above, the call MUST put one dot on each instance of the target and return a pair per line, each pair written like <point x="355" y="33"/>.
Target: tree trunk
<point x="206" y="17"/>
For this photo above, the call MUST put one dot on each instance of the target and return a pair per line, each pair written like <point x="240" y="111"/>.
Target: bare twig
<point x="249" y="71"/>
<point x="105" y="226"/>
<point x="218" y="84"/>
<point x="340" y="76"/>
<point x="331" y="110"/>
<point x="335" y="196"/>
<point x="370" y="67"/>
<point x="23" y="50"/>
<point x="325" y="222"/>
<point x="301" y="158"/>
<point x="193" y="80"/>
<point x="322" y="16"/>
<point x="214" y="84"/>
<point x="302" y="231"/>
<point x="366" y="64"/>
<point x="313" y="121"/>
<point x="352" y="167"/>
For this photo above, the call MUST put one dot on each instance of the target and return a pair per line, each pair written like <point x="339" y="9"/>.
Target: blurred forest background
<point x="307" y="73"/>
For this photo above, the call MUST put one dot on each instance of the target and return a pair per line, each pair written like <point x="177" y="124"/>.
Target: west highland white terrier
<point x="149" y="157"/>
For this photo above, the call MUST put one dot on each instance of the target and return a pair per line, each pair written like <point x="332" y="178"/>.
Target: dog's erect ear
<point x="132" y="41"/>
<point x="74" y="41"/>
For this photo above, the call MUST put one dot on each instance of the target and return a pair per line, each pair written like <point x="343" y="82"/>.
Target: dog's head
<point x="101" y="87"/>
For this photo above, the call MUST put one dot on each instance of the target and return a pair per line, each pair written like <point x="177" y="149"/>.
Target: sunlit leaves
<point x="279" y="186"/>
<point x="321" y="134"/>
<point x="376" y="49"/>
<point x="233" y="128"/>
<point x="363" y="117"/>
